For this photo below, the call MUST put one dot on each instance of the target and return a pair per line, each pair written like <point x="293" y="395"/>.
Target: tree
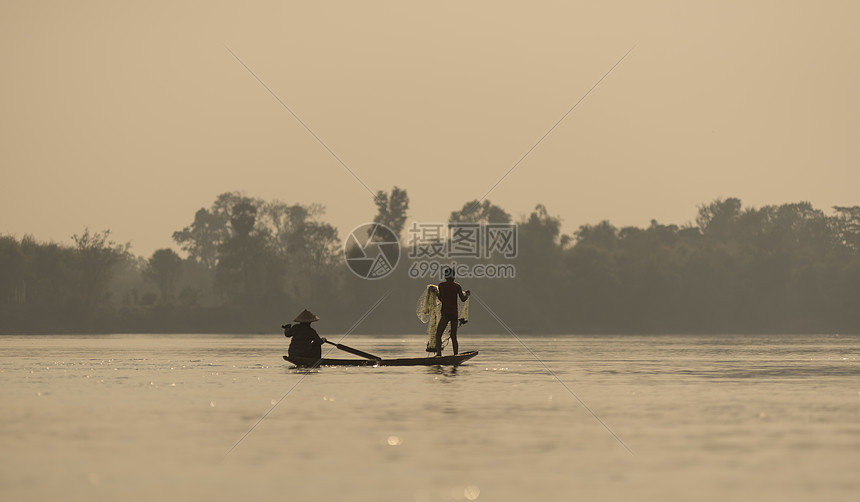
<point x="603" y="236"/>
<point x="847" y="227"/>
<point x="52" y="277"/>
<point x="539" y="265"/>
<point x="480" y="212"/>
<point x="717" y="218"/>
<point x="285" y="221"/>
<point x="202" y="238"/>
<point x="212" y="227"/>
<point x="309" y="249"/>
<point x="164" y="269"/>
<point x="541" y="229"/>
<point x="392" y="209"/>
<point x="96" y="255"/>
<point x="248" y="267"/>
<point x="243" y="216"/>
<point x="13" y="265"/>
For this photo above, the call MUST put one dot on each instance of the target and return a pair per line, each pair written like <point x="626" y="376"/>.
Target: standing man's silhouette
<point x="449" y="292"/>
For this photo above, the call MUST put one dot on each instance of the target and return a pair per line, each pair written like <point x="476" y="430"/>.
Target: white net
<point x="428" y="310"/>
<point x="429" y="307"/>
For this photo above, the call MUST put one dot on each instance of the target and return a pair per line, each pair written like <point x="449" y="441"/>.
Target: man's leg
<point x="454" y="323"/>
<point x="443" y="320"/>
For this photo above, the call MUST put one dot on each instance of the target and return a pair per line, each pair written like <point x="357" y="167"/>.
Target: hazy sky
<point x="131" y="116"/>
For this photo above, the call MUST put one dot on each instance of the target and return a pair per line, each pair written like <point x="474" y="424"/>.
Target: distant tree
<point x="202" y="238"/>
<point x="847" y="227"/>
<point x="243" y="216"/>
<point x="96" y="256"/>
<point x="253" y="248"/>
<point x="541" y="229"/>
<point x="309" y="249"/>
<point x="591" y="287"/>
<point x="649" y="264"/>
<point x="480" y="212"/>
<point x="778" y="268"/>
<point x="248" y="267"/>
<point x="195" y="286"/>
<point x="212" y="227"/>
<point x="602" y="236"/>
<point x="285" y="221"/>
<point x="164" y="269"/>
<point x="52" y="277"/>
<point x="539" y="266"/>
<point x="590" y="276"/>
<point x="539" y="246"/>
<point x="127" y="279"/>
<point x="13" y="267"/>
<point x="717" y="219"/>
<point x="391" y="210"/>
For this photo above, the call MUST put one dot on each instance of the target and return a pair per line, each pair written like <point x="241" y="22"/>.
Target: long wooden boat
<point x="307" y="362"/>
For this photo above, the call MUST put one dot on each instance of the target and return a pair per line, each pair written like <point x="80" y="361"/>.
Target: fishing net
<point x="429" y="309"/>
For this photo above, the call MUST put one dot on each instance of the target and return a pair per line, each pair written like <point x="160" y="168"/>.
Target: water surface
<point x="140" y="417"/>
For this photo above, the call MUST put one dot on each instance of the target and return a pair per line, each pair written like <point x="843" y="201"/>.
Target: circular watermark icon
<point x="371" y="251"/>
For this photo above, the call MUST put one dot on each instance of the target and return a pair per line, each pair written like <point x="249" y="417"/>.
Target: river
<point x="213" y="417"/>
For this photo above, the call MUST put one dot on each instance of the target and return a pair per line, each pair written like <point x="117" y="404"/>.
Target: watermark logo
<point x="435" y="246"/>
<point x="435" y="269"/>
<point x="371" y="251"/>
<point x="462" y="240"/>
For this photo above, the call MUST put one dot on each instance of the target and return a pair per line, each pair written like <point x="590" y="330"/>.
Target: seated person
<point x="305" y="340"/>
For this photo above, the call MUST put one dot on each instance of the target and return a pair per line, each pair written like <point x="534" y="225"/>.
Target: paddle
<point x="354" y="351"/>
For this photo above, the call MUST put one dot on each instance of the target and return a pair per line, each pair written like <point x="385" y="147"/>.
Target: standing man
<point x="305" y="340"/>
<point x="449" y="291"/>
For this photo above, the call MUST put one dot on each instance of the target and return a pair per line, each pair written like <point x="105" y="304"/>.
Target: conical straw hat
<point x="306" y="316"/>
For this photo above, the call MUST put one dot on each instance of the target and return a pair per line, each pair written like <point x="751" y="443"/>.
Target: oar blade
<point x="357" y="352"/>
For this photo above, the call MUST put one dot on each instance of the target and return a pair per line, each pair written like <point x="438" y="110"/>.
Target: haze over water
<point x="140" y="417"/>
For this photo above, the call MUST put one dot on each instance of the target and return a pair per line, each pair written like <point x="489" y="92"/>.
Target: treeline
<point x="251" y="265"/>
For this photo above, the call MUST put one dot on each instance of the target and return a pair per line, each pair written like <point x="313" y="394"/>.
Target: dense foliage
<point x="252" y="265"/>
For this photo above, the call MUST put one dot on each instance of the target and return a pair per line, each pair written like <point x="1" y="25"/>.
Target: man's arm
<point x="464" y="295"/>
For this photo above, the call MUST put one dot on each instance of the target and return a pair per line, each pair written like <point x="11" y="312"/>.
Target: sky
<point x="130" y="116"/>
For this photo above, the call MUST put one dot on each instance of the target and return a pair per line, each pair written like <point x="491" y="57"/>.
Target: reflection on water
<point x="710" y="418"/>
<point x="444" y="371"/>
